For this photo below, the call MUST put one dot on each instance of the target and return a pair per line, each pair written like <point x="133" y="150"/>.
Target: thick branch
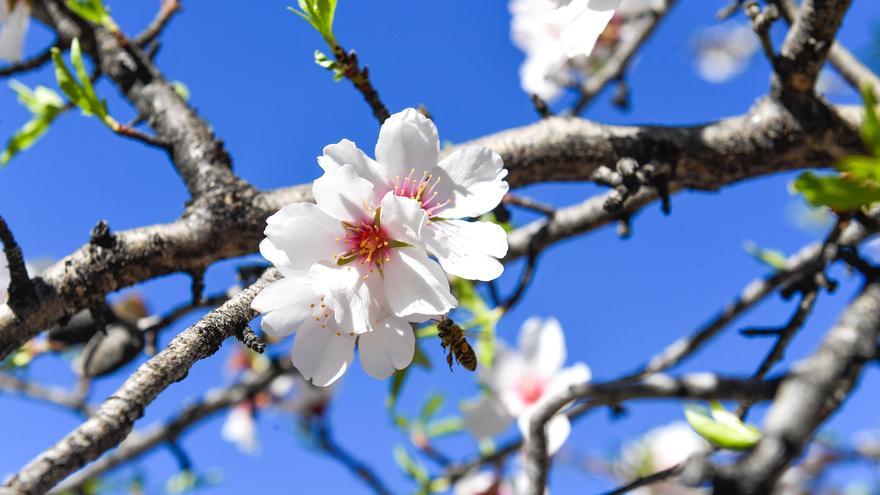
<point x="767" y="139"/>
<point x="116" y="416"/>
<point x="813" y="391"/>
<point x="805" y="47"/>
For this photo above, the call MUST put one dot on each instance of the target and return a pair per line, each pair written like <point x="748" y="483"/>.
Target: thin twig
<point x="328" y="445"/>
<point x="21" y="288"/>
<point x="360" y="77"/>
<point x="155" y="28"/>
<point x="29" y="64"/>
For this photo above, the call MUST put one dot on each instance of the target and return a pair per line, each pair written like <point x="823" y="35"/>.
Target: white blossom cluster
<point x="372" y="255"/>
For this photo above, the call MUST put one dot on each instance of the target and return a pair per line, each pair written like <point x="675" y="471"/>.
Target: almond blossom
<point x="240" y="428"/>
<point x="356" y="263"/>
<point x="553" y="33"/>
<point x="15" y="17"/>
<point x="467" y="183"/>
<point x="723" y="52"/>
<point x="521" y="381"/>
<point x="660" y="449"/>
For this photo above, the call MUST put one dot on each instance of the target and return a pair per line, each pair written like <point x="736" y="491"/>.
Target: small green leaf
<point x="431" y="406"/>
<point x="837" y="192"/>
<point x="871" y="126"/>
<point x="181" y="89"/>
<point x="26" y="136"/>
<point x="92" y="11"/>
<point x="443" y="427"/>
<point x="326" y="62"/>
<point x="67" y="82"/>
<point x="409" y="466"/>
<point x="96" y="106"/>
<point x="862" y="168"/>
<point x="397" y="381"/>
<point x="320" y="14"/>
<point x="721" y="428"/>
<point x="771" y="257"/>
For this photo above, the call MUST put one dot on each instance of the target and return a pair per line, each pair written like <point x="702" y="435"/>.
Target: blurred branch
<point x="166" y="12"/>
<point x="807" y="396"/>
<point x="328" y="445"/>
<point x="29" y="64"/>
<point x="114" y="419"/>
<point x="55" y="395"/>
<point x="853" y="71"/>
<point x="615" y="67"/>
<point x="21" y="288"/>
<point x="139" y="443"/>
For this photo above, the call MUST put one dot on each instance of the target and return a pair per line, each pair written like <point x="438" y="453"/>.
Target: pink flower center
<point x="530" y="389"/>
<point x="367" y="243"/>
<point x="422" y="190"/>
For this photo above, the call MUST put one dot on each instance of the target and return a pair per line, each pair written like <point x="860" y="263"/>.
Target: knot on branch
<point x="628" y="178"/>
<point x="21" y="287"/>
<point x="101" y="235"/>
<point x="251" y="340"/>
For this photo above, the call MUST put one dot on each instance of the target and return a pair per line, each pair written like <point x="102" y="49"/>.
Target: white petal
<point x="474" y="483"/>
<point x="485" y="417"/>
<point x="556" y="430"/>
<point x="345" y="196"/>
<point x="354" y="294"/>
<point x="389" y="347"/>
<point x="416" y="284"/>
<point x="576" y="374"/>
<point x="476" y="180"/>
<point x="284" y="304"/>
<point x="467" y="249"/>
<point x="13" y="31"/>
<point x="403" y="219"/>
<point x="321" y="354"/>
<point x="591" y="18"/>
<point x="408" y="140"/>
<point x="300" y="235"/>
<point x="345" y="152"/>
<point x="241" y="429"/>
<point x="543" y="345"/>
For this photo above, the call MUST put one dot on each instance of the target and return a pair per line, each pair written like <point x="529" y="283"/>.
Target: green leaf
<point x="320" y="14"/>
<point x="443" y="427"/>
<point x="431" y="406"/>
<point x="409" y="466"/>
<point x="68" y="84"/>
<point x="871" y="126"/>
<point x="837" y="192"/>
<point x="96" y="106"/>
<point x="721" y="428"/>
<point x="771" y="257"/>
<point x="181" y="89"/>
<point x="326" y="62"/>
<point x="397" y="381"/>
<point x="26" y="136"/>
<point x="862" y="168"/>
<point x="92" y="11"/>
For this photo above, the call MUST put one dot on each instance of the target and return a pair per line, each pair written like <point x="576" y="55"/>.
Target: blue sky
<point x="250" y="71"/>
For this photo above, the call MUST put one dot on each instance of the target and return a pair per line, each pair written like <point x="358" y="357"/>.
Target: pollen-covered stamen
<point x="423" y="190"/>
<point x="366" y="243"/>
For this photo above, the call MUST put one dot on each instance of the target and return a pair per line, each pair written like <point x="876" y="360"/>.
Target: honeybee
<point x="454" y="341"/>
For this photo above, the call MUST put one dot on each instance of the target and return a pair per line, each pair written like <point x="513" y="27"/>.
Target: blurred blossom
<point x="660" y="449"/>
<point x="521" y="381"/>
<point x="488" y="483"/>
<point x="14" y="19"/>
<point x="300" y="397"/>
<point x="554" y="33"/>
<point x="240" y="428"/>
<point x="722" y="52"/>
<point x="810" y="219"/>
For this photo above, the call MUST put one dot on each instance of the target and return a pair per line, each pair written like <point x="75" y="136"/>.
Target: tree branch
<point x="115" y="417"/>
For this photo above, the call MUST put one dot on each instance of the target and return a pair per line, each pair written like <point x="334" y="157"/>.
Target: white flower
<point x="15" y="16"/>
<point x="724" y="51"/>
<point x="355" y="264"/>
<point x="659" y="449"/>
<point x="488" y="483"/>
<point x="520" y="382"/>
<point x="299" y="396"/>
<point x="552" y="33"/>
<point x="241" y="429"/>
<point x="467" y="183"/>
